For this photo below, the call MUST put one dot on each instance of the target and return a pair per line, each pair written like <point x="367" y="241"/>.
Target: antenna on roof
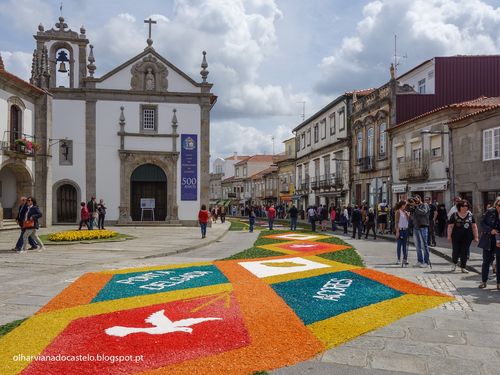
<point x="303" y="110"/>
<point x="273" y="143"/>
<point x="61" y="7"/>
<point x="397" y="57"/>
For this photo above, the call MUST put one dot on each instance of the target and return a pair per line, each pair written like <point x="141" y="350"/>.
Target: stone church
<point x="137" y="137"/>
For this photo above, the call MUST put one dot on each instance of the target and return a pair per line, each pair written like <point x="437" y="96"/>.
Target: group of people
<point x="92" y="214"/>
<point x="218" y="212"/>
<point x="28" y="220"/>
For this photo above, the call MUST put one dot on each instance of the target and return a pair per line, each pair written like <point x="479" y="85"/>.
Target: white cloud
<point x="26" y="14"/>
<point x="230" y="136"/>
<point x="18" y="63"/>
<point x="425" y="28"/>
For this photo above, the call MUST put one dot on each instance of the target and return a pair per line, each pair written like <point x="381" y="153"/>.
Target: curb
<point x="194" y="247"/>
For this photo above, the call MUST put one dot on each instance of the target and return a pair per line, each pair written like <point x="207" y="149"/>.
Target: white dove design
<point x="161" y="324"/>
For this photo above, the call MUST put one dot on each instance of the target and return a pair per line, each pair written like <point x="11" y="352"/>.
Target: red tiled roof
<point x="263" y="173"/>
<point x="483" y="102"/>
<point x="362" y="92"/>
<point x="257" y="159"/>
<point x="237" y="157"/>
<point x="19" y="81"/>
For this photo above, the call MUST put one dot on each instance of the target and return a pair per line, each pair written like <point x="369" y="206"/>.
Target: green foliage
<point x="252" y="253"/>
<point x="237" y="225"/>
<point x="348" y="256"/>
<point x="10" y="326"/>
<point x="334" y="240"/>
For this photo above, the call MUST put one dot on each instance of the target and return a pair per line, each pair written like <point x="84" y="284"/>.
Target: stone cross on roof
<point x="150" y="22"/>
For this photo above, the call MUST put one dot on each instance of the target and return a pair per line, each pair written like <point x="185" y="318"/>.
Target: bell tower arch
<point x="60" y="57"/>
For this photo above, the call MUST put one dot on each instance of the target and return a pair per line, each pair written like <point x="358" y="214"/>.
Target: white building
<point x="322" y="149"/>
<point x="140" y="131"/>
<point x="20" y="117"/>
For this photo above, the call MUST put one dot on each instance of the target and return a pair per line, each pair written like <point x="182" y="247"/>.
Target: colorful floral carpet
<point x="223" y="317"/>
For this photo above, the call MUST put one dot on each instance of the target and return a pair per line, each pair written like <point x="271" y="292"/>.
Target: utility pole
<point x="273" y="144"/>
<point x="396" y="56"/>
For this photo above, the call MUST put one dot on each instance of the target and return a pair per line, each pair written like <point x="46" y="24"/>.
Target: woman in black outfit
<point x="490" y="242"/>
<point x="462" y="229"/>
<point x="442" y="218"/>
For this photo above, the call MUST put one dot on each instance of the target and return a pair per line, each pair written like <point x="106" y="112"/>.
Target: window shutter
<point x="435" y="142"/>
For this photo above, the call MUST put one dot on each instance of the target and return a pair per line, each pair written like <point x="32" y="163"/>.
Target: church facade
<point x="136" y="137"/>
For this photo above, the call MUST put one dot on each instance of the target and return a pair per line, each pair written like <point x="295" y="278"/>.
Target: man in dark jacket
<point x="490" y="242"/>
<point x="21" y="213"/>
<point x="421" y="230"/>
<point x="92" y="207"/>
<point x="356" y="222"/>
<point x="294" y="213"/>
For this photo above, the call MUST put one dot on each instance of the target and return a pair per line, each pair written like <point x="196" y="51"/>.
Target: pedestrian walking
<point x="203" y="216"/>
<point x="19" y="220"/>
<point x="222" y="214"/>
<point x="431" y="240"/>
<point x="323" y="216"/>
<point x="401" y="221"/>
<point x="356" y="222"/>
<point x="101" y="211"/>
<point x="84" y="216"/>
<point x="251" y="219"/>
<point x="294" y="213"/>
<point x="311" y="217"/>
<point x="382" y="211"/>
<point x="271" y="215"/>
<point x="344" y="219"/>
<point x="442" y="219"/>
<point x="333" y="218"/>
<point x="370" y="223"/>
<point x="420" y="230"/>
<point x="31" y="224"/>
<point x="462" y="229"/>
<point x="490" y="242"/>
<point x="92" y="207"/>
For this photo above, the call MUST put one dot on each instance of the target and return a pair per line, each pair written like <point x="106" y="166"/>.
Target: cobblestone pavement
<point x="460" y="337"/>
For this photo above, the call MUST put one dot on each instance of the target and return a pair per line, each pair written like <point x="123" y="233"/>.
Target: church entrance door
<point x="67" y="204"/>
<point x="148" y="181"/>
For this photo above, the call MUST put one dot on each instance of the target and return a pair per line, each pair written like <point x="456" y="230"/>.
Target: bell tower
<point x="60" y="57"/>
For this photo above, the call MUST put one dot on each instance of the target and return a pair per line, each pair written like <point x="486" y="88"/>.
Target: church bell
<point x="62" y="57"/>
<point x="62" y="67"/>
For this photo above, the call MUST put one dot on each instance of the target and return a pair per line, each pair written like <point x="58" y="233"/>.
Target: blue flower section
<point x="159" y="281"/>
<point x="322" y="297"/>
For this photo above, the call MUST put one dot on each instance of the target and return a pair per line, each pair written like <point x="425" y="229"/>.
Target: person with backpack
<point x="382" y="211"/>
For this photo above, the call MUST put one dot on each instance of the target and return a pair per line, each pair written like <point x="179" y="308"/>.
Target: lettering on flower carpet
<point x="334" y="289"/>
<point x="141" y="283"/>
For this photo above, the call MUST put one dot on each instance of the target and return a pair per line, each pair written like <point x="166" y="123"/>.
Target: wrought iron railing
<point x="366" y="164"/>
<point x="19" y="144"/>
<point x="414" y="169"/>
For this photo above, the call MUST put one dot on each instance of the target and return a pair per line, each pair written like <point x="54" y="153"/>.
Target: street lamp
<point x="450" y="146"/>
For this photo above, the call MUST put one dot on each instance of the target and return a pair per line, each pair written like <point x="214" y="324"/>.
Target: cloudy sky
<point x="266" y="57"/>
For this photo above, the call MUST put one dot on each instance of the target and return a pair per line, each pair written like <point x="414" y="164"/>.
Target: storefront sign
<point x="399" y="188"/>
<point x="189" y="167"/>
<point x="430" y="186"/>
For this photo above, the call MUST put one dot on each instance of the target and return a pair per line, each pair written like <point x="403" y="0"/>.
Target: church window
<point x="149" y="118"/>
<point x="66" y="152"/>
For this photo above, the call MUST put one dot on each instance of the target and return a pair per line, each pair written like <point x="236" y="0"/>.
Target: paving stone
<point x="417" y="320"/>
<point x="466" y="325"/>
<point x="437" y="336"/>
<point x="367" y="342"/>
<point x="485" y="355"/>
<point x="414" y="347"/>
<point x="391" y="361"/>
<point x="453" y="366"/>
<point x="389" y="331"/>
<point x="489" y="340"/>
<point x="346" y="356"/>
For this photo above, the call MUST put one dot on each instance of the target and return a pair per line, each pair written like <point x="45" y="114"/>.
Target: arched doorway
<point x="15" y="181"/>
<point x="148" y="181"/>
<point x="67" y="204"/>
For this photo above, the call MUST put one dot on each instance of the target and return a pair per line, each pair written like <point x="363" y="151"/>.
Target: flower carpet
<point x="234" y="316"/>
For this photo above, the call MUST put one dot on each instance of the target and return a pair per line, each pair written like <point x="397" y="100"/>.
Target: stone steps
<point x="9" y="224"/>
